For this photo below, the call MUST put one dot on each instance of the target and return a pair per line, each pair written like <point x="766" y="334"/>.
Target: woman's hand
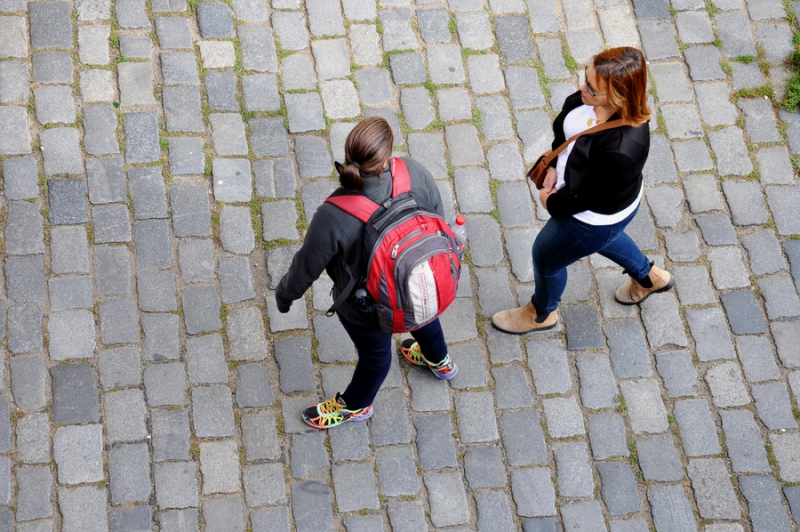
<point x="549" y="186"/>
<point x="550" y="179"/>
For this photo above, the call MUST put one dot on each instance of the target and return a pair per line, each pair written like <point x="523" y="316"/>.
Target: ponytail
<point x="367" y="148"/>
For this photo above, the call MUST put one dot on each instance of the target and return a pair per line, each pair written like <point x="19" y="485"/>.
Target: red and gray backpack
<point x="413" y="268"/>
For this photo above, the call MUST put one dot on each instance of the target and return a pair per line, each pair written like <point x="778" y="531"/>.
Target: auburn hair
<point x="624" y="71"/>
<point x="366" y="150"/>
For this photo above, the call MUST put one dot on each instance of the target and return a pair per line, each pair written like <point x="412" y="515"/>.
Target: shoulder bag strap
<point x="596" y="129"/>
<point x="401" y="180"/>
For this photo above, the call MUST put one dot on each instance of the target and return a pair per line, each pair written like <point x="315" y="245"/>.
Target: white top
<point x="577" y="121"/>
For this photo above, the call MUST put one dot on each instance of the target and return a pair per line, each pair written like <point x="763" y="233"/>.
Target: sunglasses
<point x="588" y="85"/>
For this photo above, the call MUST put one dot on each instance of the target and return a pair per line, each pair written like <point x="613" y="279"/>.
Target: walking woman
<point x="593" y="189"/>
<point x="334" y="243"/>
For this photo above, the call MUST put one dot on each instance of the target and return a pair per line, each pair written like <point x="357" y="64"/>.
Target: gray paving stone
<point x="408" y="68"/>
<point x="645" y="407"/>
<point x="219" y="466"/>
<point x="494" y="511"/>
<point x="618" y="488"/>
<point x="454" y="104"/>
<point x="396" y="471"/>
<point x="351" y="442"/>
<point x="659" y="459"/>
<point x="16" y="82"/>
<point x="236" y="280"/>
<point x="213" y="411"/>
<point x="136" y="83"/>
<point x="54" y="105"/>
<point x="228" y="134"/>
<point x="744" y="314"/>
<point x="182" y="108"/>
<point x="35" y="487"/>
<point x="25" y="279"/>
<point x="428" y="149"/>
<point x="726" y="384"/>
<point x="33" y="438"/>
<point x="260" y="94"/>
<point x="484" y="468"/>
<point x="391" y="426"/>
<point x="25" y="328"/>
<point x="763" y="497"/>
<point x="505" y="164"/>
<point x="698" y="431"/>
<point x="365" y="44"/>
<point x="196" y="260"/>
<point x="678" y="373"/>
<point x="206" y="360"/>
<point x="224" y="514"/>
<point x="764" y="252"/>
<point x="77" y="450"/>
<point x="290" y="29"/>
<point x="548" y="363"/>
<point x="260" y="437"/>
<point x="129" y="470"/>
<point x="245" y="328"/>
<point x="476" y="419"/>
<point x="495" y="118"/>
<point x="574" y="474"/>
<point x="236" y="230"/>
<point x="417" y="108"/>
<point x="201" y="309"/>
<point x="671" y="510"/>
<point x="52" y="67"/>
<point x="135" y="47"/>
<point x="179" y="68"/>
<point x="165" y="384"/>
<point x="759" y="120"/>
<point x="258" y="47"/>
<point x="72" y="335"/>
<point x="780" y="297"/>
<point x="773" y="405"/>
<point x="523" y="438"/>
<point x="427" y="395"/>
<point x="106" y="180"/>
<point x="132" y="14"/>
<point x="70" y="293"/>
<point x="727" y="268"/>
<point x="659" y="168"/>
<point x="21" y="177"/>
<point x="156" y="291"/>
<point x="176" y="484"/>
<point x="598" y="389"/>
<point x="448" y="499"/>
<point x="734" y="32"/>
<point x="710" y="333"/>
<point x="703" y="61"/>
<point x="533" y="128"/>
<point x="354" y="490"/>
<point x="111" y="224"/>
<point x="774" y="165"/>
<point x="784" y="447"/>
<point x="514" y="38"/>
<point x="433" y="25"/>
<point x="141" y="138"/>
<point x="780" y="199"/>
<point x="186" y="156"/>
<point x="130" y="519"/>
<point x="744" y="443"/>
<point x="161" y="336"/>
<point x="252" y="388"/>
<point x="397" y="31"/>
<point x="628" y="349"/>
<point x="112" y="270"/>
<point x="607" y="435"/>
<point x="171" y="434"/>
<point x="583" y="327"/>
<point x="153" y="242"/>
<point x="308" y="455"/>
<point x="214" y="20"/>
<point x="511" y="387"/>
<point x="173" y="32"/>
<point x="533" y="491"/>
<point x="472" y="372"/>
<point x="75" y="394"/>
<point x="563" y="416"/>
<point x="264" y="484"/>
<point x="758" y="358"/>
<point x="24" y="230"/>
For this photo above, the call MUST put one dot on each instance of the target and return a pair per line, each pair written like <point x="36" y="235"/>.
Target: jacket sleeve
<point x="607" y="169"/>
<point x="319" y="247"/>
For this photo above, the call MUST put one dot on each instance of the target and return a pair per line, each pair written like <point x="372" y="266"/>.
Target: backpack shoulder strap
<point x="401" y="180"/>
<point x="356" y="205"/>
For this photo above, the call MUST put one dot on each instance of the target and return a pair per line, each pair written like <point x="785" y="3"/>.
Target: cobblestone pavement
<point x="161" y="161"/>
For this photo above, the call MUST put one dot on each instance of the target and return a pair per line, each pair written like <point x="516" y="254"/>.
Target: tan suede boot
<point x="522" y="320"/>
<point x="633" y="293"/>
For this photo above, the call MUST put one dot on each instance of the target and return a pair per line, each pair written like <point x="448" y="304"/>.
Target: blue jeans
<point x="564" y="241"/>
<point x="375" y="358"/>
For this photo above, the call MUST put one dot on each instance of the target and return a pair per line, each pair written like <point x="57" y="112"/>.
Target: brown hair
<point x="624" y="71"/>
<point x="367" y="148"/>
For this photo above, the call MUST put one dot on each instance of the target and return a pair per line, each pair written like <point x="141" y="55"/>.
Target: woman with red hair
<point x="593" y="190"/>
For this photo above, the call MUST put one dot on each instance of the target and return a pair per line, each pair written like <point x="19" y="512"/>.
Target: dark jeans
<point x="375" y="358"/>
<point x="564" y="241"/>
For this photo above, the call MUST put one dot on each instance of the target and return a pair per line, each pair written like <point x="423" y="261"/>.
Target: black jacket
<point x="335" y="238"/>
<point x="604" y="170"/>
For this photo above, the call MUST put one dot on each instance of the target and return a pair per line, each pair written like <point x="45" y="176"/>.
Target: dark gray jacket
<point x="334" y="238"/>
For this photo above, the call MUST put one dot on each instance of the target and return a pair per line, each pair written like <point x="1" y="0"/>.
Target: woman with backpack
<point x="593" y="189"/>
<point x="335" y="243"/>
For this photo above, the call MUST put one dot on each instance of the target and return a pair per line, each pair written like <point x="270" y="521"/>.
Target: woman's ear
<point x="339" y="167"/>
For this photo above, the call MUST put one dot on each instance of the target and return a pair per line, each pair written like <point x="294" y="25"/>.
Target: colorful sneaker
<point x="333" y="412"/>
<point x="445" y="370"/>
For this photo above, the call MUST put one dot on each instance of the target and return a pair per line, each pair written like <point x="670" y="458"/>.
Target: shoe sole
<point x="666" y="288"/>
<point x="519" y="333"/>
<point x="447" y="377"/>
